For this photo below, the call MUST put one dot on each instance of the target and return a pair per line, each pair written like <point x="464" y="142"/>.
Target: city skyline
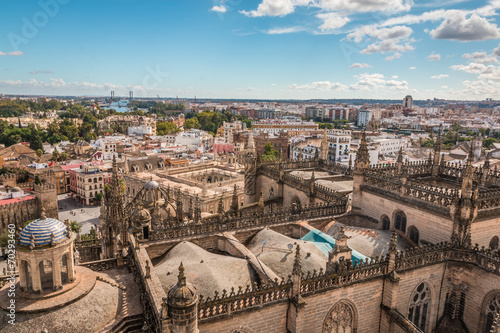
<point x="266" y="49"/>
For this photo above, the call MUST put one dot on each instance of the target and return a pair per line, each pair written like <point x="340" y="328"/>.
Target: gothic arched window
<point x="492" y="309"/>
<point x="386" y="223"/>
<point x="494" y="243"/>
<point x="400" y="222"/>
<point x="414" y="234"/>
<point x="341" y="319"/>
<point x="419" y="306"/>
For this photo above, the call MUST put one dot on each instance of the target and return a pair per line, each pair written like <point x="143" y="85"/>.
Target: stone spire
<point x="437" y="154"/>
<point x="179" y="209"/>
<point x="234" y="199"/>
<point x="261" y="204"/>
<point x="485" y="170"/>
<point x="362" y="161"/>
<point x="197" y="210"/>
<point x="324" y="146"/>
<point x="393" y="251"/>
<point x="400" y="160"/>
<point x="297" y="266"/>
<point x="181" y="278"/>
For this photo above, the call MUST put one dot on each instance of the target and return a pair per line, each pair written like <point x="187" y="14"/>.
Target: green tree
<point x="164" y="128"/>
<point x="35" y="140"/>
<point x="192" y="123"/>
<point x="39" y="152"/>
<point x="63" y="157"/>
<point x="38" y="181"/>
<point x="55" y="155"/>
<point x="270" y="153"/>
<point x="99" y="196"/>
<point x="75" y="226"/>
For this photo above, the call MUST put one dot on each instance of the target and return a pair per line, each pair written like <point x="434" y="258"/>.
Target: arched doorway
<point x="400" y="221"/>
<point x="494" y="243"/>
<point x="45" y="269"/>
<point x="386" y="222"/>
<point x="414" y="234"/>
<point x="64" y="269"/>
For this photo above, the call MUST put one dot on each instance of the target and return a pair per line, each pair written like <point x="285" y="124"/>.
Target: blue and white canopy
<point x="42" y="229"/>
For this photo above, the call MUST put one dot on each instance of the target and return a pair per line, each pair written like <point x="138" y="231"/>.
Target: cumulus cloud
<point x="458" y="27"/>
<point x="396" y="55"/>
<point x="496" y="51"/>
<point x="474" y="68"/>
<point x="387" y="46"/>
<point x="219" y="9"/>
<point x="413" y="68"/>
<point x="480" y="57"/>
<point x="332" y="21"/>
<point x="285" y="7"/>
<point x="375" y="82"/>
<point x="319" y="85"/>
<point x="272" y="8"/>
<point x="359" y="65"/>
<point x="394" y="39"/>
<point x="434" y="57"/>
<point x="440" y="76"/>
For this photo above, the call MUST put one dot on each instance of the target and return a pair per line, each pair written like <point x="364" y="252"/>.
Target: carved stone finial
<point x="297" y="266"/>
<point x="52" y="240"/>
<point x="32" y="241"/>
<point x="181" y="278"/>
<point x="148" y="270"/>
<point x="393" y="246"/>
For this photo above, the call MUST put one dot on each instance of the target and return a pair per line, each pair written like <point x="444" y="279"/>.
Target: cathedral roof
<point x="42" y="230"/>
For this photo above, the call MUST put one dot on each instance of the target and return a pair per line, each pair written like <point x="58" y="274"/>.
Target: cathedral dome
<point x="42" y="230"/>
<point x="151" y="185"/>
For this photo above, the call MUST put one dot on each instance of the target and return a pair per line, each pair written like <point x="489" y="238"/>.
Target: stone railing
<point x="441" y="196"/>
<point x="344" y="274"/>
<point x="232" y="222"/>
<point x="101" y="265"/>
<point x="241" y="300"/>
<point x="488" y="199"/>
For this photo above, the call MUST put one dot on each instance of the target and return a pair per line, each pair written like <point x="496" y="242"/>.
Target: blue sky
<point x="273" y="49"/>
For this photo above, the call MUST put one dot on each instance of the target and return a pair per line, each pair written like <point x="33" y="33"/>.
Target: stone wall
<point x="432" y="228"/>
<point x="483" y="231"/>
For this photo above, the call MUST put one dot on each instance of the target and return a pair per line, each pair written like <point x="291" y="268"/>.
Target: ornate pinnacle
<point x="297" y="266"/>
<point x="393" y="246"/>
<point x="181" y="278"/>
<point x="400" y="155"/>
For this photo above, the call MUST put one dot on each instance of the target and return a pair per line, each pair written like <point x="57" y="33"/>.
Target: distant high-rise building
<point x="364" y="117"/>
<point x="408" y="102"/>
<point x="131" y="95"/>
<point x="112" y="94"/>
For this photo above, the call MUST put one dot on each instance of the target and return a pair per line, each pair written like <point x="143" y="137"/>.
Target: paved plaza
<point x="86" y="216"/>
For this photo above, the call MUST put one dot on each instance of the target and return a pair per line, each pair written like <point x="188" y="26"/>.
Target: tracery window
<point x="419" y="306"/>
<point x="340" y="319"/>
<point x="492" y="309"/>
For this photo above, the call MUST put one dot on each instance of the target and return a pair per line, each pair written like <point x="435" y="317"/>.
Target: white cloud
<point x="359" y="65"/>
<point x="219" y="9"/>
<point x="474" y="68"/>
<point x="288" y="30"/>
<point x="458" y="27"/>
<point x="12" y="54"/>
<point x="440" y="76"/>
<point x="434" y="57"/>
<point x="332" y="21"/>
<point x="413" y="68"/>
<point x="285" y="7"/>
<point x="480" y="57"/>
<point x="387" y="46"/>
<point x="374" y="82"/>
<point x="272" y="8"/>
<point x="394" y="76"/>
<point x="496" y="51"/>
<point x="397" y="32"/>
<point x="319" y="85"/>
<point x="396" y="55"/>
